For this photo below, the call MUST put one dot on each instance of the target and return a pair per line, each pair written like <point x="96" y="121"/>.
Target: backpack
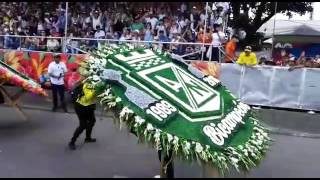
<point x="76" y="92"/>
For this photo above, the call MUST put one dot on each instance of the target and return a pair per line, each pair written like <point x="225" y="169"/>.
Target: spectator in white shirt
<point x="74" y="43"/>
<point x="87" y="22"/>
<point x="203" y="17"/>
<point x="125" y="34"/>
<point x="153" y="21"/>
<point x="218" y="38"/>
<point x="53" y="45"/>
<point x="161" y="27"/>
<point x="157" y="46"/>
<point x="224" y="7"/>
<point x="24" y="22"/>
<point x="136" y="37"/>
<point x="147" y="17"/>
<point x="57" y="71"/>
<point x="183" y="7"/>
<point x="162" y="14"/>
<point x="75" y="19"/>
<point x="192" y="19"/>
<point x="99" y="34"/>
<point x="175" y="38"/>
<point x="182" y="22"/>
<point x="40" y="26"/>
<point x="175" y="29"/>
<point x="148" y="35"/>
<point x="96" y="20"/>
<point x="108" y="23"/>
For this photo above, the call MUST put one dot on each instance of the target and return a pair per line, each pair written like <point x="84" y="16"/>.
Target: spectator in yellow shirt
<point x="247" y="57"/>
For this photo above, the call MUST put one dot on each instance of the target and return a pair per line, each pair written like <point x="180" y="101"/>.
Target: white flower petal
<point x="150" y="127"/>
<point x="199" y="148"/>
<point x="170" y="137"/>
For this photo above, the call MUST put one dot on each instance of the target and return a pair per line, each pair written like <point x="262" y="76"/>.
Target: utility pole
<point x="274" y="25"/>
<point x="204" y="31"/>
<point x="311" y="13"/>
<point x="65" y="29"/>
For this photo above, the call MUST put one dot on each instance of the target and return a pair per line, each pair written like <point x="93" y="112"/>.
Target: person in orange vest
<point x="230" y="49"/>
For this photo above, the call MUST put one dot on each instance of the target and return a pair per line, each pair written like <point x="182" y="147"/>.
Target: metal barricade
<point x="88" y="44"/>
<point x="75" y="45"/>
<point x="273" y="86"/>
<point x="32" y="43"/>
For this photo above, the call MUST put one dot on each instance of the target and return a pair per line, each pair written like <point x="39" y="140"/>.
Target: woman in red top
<point x="205" y="39"/>
<point x="43" y="42"/>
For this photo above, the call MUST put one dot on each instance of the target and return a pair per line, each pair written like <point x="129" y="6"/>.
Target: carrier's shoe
<point x="65" y="110"/>
<point x="54" y="109"/>
<point x="90" y="140"/>
<point x="64" y="107"/>
<point x="72" y="146"/>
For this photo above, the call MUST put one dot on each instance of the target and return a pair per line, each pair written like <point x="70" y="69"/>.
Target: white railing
<point x="197" y="46"/>
<point x="28" y="43"/>
<point x="65" y="46"/>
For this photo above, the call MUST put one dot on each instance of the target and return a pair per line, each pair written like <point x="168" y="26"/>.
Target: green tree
<point x="262" y="12"/>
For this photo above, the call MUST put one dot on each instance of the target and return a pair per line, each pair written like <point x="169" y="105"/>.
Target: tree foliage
<point x="262" y="12"/>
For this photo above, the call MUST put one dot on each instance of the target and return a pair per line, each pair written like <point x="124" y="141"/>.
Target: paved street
<point x="38" y="147"/>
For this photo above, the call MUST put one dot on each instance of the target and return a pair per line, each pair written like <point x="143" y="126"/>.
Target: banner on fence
<point x="269" y="85"/>
<point x="35" y="64"/>
<point x="274" y="86"/>
<point x="261" y="85"/>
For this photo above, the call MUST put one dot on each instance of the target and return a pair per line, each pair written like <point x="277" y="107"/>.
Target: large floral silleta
<point x="172" y="105"/>
<point x="10" y="75"/>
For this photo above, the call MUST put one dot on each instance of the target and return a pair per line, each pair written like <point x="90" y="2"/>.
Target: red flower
<point x="39" y="64"/>
<point x="208" y="68"/>
<point x="71" y="79"/>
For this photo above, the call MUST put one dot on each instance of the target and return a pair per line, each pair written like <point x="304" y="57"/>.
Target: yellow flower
<point x="12" y="59"/>
<point x="213" y="70"/>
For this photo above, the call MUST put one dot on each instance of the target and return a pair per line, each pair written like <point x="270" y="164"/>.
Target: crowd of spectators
<point x="31" y="19"/>
<point x="294" y="62"/>
<point x="44" y="23"/>
<point x="162" y="22"/>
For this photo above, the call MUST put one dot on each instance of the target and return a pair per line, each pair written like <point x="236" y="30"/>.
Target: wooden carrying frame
<point x="13" y="100"/>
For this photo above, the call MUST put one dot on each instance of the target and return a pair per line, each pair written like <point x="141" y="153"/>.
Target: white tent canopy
<point x="268" y="41"/>
<point x="289" y="27"/>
